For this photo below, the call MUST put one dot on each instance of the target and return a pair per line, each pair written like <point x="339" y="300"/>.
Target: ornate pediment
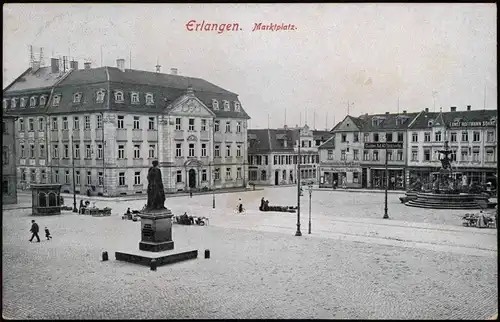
<point x="191" y="107"/>
<point x="192" y="138"/>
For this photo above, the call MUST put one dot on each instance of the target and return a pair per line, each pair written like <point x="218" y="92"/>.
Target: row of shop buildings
<point x="354" y="156"/>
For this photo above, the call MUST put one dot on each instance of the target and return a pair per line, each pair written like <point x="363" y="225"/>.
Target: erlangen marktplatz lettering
<point x="383" y="145"/>
<point x="473" y="124"/>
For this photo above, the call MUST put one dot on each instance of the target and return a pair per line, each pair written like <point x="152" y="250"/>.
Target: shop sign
<point x="491" y="123"/>
<point x="344" y="164"/>
<point x="341" y="169"/>
<point x="383" y="145"/>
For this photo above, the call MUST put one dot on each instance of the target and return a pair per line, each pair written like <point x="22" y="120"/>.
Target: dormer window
<point x="77" y="97"/>
<point x="226" y="105"/>
<point x="56" y="100"/>
<point x="430" y="123"/>
<point x="100" y="95"/>
<point x="215" y="104"/>
<point x="285" y="143"/>
<point x="33" y="101"/>
<point x="119" y="96"/>
<point x="134" y="98"/>
<point x="43" y="100"/>
<point x="236" y="106"/>
<point x="149" y="99"/>
<point x="23" y="101"/>
<point x="13" y="103"/>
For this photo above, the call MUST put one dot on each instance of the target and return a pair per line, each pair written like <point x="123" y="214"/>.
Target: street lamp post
<point x="73" y="166"/>
<point x="386" y="216"/>
<point x="310" y="195"/>
<point x="298" y="233"/>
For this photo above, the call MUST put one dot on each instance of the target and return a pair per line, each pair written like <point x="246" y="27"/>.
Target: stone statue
<point x="156" y="193"/>
<point x="445" y="161"/>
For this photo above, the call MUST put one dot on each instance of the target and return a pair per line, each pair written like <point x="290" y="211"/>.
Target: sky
<point x="365" y="58"/>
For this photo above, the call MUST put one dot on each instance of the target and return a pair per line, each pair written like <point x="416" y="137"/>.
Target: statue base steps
<point x="156" y="247"/>
<point x="162" y="258"/>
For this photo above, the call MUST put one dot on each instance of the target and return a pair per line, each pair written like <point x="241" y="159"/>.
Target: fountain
<point x="445" y="191"/>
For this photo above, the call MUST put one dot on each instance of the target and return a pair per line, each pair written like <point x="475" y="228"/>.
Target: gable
<point x="347" y="125"/>
<point x="190" y="106"/>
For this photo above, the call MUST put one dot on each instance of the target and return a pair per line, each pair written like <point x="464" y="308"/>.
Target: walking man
<point x="34" y="229"/>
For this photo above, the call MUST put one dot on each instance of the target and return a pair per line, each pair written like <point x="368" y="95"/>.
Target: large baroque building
<point x="9" y="172"/>
<point x="273" y="155"/>
<point x="110" y="123"/>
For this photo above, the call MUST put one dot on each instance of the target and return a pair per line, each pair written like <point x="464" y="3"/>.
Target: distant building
<point x="471" y="135"/>
<point x="114" y="122"/>
<point x="273" y="155"/>
<point x="9" y="180"/>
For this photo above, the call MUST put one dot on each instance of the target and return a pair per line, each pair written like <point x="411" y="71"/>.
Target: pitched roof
<point x="31" y="82"/>
<point x="422" y="122"/>
<point x="321" y="135"/>
<point x="329" y="144"/>
<point x="387" y="121"/>
<point x="271" y="140"/>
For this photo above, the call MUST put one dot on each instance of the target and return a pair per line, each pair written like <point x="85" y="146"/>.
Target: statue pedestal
<point x="156" y="231"/>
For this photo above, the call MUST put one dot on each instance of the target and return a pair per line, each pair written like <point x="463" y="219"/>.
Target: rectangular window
<point x="136" y="123"/>
<point x="228" y="173"/>
<point x="100" y="179"/>
<point x="66" y="176"/>
<point x="41" y="124"/>
<point x="464" y="155"/>
<point x="31" y="124"/>
<point x="414" y="137"/>
<point x="490" y="155"/>
<point x="137" y="151"/>
<point x="99" y="121"/>
<point x="453" y="137"/>
<point x="238" y="151"/>
<point x="121" y="119"/>
<point x="55" y="150"/>
<point x="87" y="122"/>
<point x="238" y="127"/>
<point x="179" y="176"/>
<point x="399" y="155"/>
<point x="388" y="137"/>
<point x="56" y="176"/>
<point x="151" y="123"/>
<point x="427" y="137"/>
<point x="76" y="123"/>
<point x="343" y="138"/>
<point x="54" y="123"/>
<point x="217" y="174"/>
<point x="88" y="151"/>
<point x="414" y="155"/>
<point x="121" y="152"/>
<point x="137" y="178"/>
<point x="204" y="175"/>
<point x="23" y="152"/>
<point x="490" y="136"/>
<point x="42" y="150"/>
<point x="191" y="125"/>
<point x="375" y="137"/>
<point x="389" y="155"/>
<point x="453" y="156"/>
<point x="65" y="123"/>
<point x="476" y="136"/>
<point x="203" y="149"/>
<point x="99" y="151"/>
<point x="330" y="155"/>
<point x="366" y="137"/>
<point x="228" y="126"/>
<point x="191" y="149"/>
<point x="343" y="155"/>
<point x="366" y="156"/>
<point x="375" y="155"/>
<point x="43" y="176"/>
<point x="178" y="150"/>
<point x="217" y="151"/>
<point x="33" y="175"/>
<point x="152" y="149"/>
<point x="400" y="136"/>
<point x="427" y="155"/>
<point x="228" y="150"/>
<point x="355" y="155"/>
<point x="77" y="151"/>
<point x="465" y="136"/>
<point x="66" y="151"/>
<point x="32" y="151"/>
<point x="238" y="173"/>
<point x="438" y="136"/>
<point x="121" y="179"/>
<point x="23" y="175"/>
<point x="77" y="177"/>
<point x="475" y="155"/>
<point x="21" y="125"/>
<point x="203" y="124"/>
<point x="89" y="177"/>
<point x="178" y="124"/>
<point x="217" y="126"/>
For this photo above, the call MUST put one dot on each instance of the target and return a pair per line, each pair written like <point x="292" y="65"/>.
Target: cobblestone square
<point x="420" y="264"/>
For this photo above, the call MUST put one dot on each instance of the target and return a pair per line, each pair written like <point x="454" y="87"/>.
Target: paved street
<point x="420" y="264"/>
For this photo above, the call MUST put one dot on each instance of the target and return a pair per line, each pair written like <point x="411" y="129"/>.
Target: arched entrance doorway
<point x="192" y="178"/>
<point x="276" y="177"/>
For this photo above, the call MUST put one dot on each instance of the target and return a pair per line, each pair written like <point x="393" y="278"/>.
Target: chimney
<point x="426" y="110"/>
<point x="468" y="107"/>
<point x="158" y="68"/>
<point x="35" y="65"/>
<point x="86" y="65"/>
<point x="73" y="65"/>
<point x="386" y="113"/>
<point x="54" y="65"/>
<point x="453" y="109"/>
<point x="120" y="63"/>
<point x="173" y="71"/>
<point x="190" y="91"/>
<point x="404" y="111"/>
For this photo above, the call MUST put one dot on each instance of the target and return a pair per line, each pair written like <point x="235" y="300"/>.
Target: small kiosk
<point x="46" y="199"/>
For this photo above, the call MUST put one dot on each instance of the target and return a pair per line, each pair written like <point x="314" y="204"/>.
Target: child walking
<point x="47" y="233"/>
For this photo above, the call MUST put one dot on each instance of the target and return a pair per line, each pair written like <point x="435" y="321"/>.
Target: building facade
<point x="273" y="155"/>
<point x="104" y="127"/>
<point x="471" y="135"/>
<point x="9" y="169"/>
